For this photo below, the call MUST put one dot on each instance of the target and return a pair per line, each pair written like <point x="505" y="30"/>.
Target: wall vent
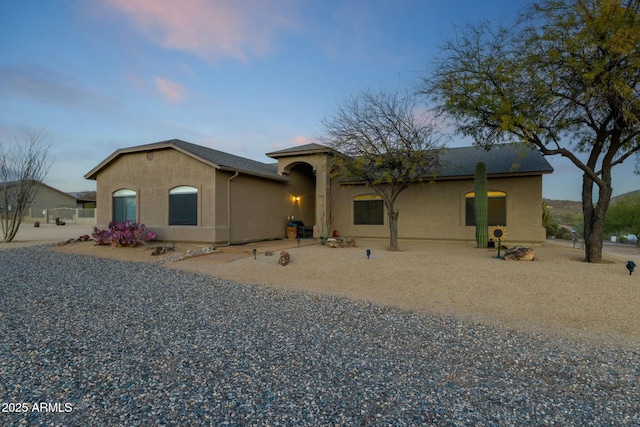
<point x="149" y="155"/>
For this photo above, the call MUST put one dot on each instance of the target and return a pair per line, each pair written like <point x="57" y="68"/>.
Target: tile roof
<point x="215" y="158"/>
<point x="456" y="162"/>
<point x="228" y="161"/>
<point x="500" y="160"/>
<point x="300" y="149"/>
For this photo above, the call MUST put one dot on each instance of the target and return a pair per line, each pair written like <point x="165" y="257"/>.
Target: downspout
<point x="229" y="205"/>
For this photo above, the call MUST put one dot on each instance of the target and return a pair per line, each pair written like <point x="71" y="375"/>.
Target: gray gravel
<point x="102" y="342"/>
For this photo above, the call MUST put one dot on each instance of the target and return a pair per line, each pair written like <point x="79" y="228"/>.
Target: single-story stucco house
<point x="45" y="199"/>
<point x="187" y="192"/>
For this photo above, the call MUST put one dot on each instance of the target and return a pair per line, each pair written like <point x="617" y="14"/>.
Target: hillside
<point x="569" y="212"/>
<point x="622" y="196"/>
<point x="565" y="212"/>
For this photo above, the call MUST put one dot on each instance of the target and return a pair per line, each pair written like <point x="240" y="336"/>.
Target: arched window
<point x="497" y="208"/>
<point x="368" y="209"/>
<point x="124" y="205"/>
<point x="183" y="205"/>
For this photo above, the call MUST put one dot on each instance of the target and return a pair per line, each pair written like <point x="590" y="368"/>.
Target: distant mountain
<point x="84" y="195"/>
<point x="569" y="212"/>
<point x="565" y="212"/>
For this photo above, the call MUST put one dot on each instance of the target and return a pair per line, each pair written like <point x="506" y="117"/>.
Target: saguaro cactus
<point x="481" y="205"/>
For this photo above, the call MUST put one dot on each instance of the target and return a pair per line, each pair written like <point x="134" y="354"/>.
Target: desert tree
<point x="23" y="166"/>
<point x="624" y="216"/>
<point x="564" y="79"/>
<point x="384" y="141"/>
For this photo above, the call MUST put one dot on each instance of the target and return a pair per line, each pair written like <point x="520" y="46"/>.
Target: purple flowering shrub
<point x="123" y="234"/>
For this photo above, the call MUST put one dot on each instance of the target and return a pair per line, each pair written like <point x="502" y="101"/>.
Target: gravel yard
<point x="93" y="341"/>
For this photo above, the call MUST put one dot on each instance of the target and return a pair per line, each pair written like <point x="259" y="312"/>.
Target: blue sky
<point x="246" y="77"/>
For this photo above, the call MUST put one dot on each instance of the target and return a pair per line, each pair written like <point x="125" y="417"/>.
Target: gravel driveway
<point x="91" y="341"/>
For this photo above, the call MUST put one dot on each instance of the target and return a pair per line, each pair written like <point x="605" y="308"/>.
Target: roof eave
<point x="279" y="154"/>
<point x="259" y="175"/>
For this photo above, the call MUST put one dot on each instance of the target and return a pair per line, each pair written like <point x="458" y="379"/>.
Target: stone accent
<point x="341" y="242"/>
<point x="519" y="253"/>
<point x="284" y="258"/>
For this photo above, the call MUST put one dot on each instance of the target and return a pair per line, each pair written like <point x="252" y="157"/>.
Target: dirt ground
<point x="558" y="293"/>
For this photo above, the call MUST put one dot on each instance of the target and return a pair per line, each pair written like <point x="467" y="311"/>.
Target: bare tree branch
<point x="23" y="167"/>
<point x="386" y="144"/>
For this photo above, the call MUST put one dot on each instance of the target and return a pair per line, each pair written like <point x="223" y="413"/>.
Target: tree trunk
<point x="393" y="228"/>
<point x="593" y="231"/>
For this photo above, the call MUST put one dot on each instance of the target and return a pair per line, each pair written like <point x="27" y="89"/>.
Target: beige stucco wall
<point x="47" y="198"/>
<point x="314" y="207"/>
<point x="152" y="178"/>
<point x="437" y="210"/>
<point x="258" y="207"/>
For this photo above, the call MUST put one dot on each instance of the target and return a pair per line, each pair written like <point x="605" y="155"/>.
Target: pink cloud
<point x="301" y="140"/>
<point x="210" y="29"/>
<point x="171" y="91"/>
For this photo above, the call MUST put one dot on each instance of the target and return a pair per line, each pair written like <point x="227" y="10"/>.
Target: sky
<point x="246" y="77"/>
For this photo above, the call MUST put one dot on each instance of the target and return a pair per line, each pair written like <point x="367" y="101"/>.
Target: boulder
<point x="519" y="253"/>
<point x="284" y="258"/>
<point x="341" y="242"/>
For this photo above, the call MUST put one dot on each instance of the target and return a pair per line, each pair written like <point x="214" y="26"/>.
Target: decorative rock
<point x="341" y="242"/>
<point x="178" y="256"/>
<point x="519" y="253"/>
<point x="158" y="250"/>
<point x="268" y="253"/>
<point x="284" y="258"/>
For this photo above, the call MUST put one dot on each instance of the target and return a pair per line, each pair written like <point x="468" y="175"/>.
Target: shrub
<point x="123" y="234"/>
<point x="564" y="233"/>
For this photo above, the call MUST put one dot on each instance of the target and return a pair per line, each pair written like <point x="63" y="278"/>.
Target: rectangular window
<point x="368" y="210"/>
<point x="497" y="209"/>
<point x="124" y="209"/>
<point x="183" y="209"/>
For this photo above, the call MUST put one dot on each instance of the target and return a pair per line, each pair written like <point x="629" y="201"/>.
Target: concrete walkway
<point x="28" y="235"/>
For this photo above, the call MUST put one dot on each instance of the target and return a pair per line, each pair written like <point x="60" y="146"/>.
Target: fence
<point x="68" y="215"/>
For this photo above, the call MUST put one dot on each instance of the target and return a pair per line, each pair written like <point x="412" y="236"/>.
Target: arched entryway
<point x="307" y="167"/>
<point x="302" y="192"/>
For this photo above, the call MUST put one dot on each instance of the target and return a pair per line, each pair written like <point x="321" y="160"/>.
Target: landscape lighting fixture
<point x="255" y="251"/>
<point x="298" y="242"/>
<point x="368" y="253"/>
<point x="631" y="266"/>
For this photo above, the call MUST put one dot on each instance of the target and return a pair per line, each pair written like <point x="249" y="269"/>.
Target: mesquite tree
<point x="564" y="79"/>
<point x="23" y="166"/>
<point x="385" y="144"/>
<point x="481" y="205"/>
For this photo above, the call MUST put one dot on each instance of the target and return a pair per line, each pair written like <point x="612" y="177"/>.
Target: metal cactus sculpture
<point x="481" y="205"/>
